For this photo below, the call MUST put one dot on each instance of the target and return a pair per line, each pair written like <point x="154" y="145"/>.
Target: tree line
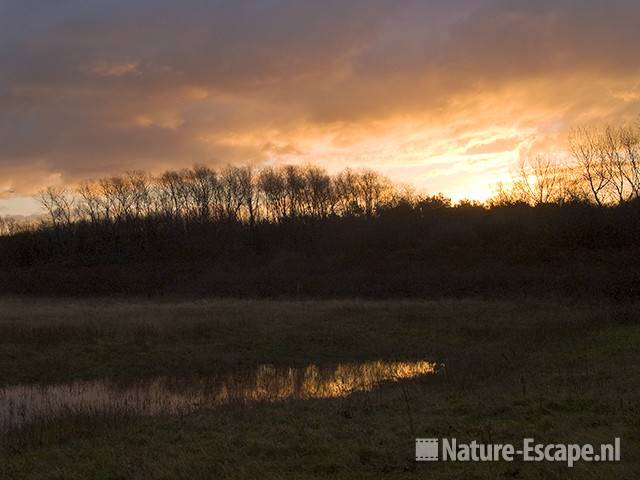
<point x="569" y="226"/>
<point x="202" y="194"/>
<point x="603" y="169"/>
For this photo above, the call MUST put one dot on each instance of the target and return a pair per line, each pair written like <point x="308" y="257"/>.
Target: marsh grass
<point x="558" y="372"/>
<point x="24" y="405"/>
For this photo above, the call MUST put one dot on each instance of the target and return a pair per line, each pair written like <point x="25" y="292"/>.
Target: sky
<point x="443" y="95"/>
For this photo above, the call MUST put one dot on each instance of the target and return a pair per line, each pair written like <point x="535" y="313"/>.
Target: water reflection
<point x="25" y="404"/>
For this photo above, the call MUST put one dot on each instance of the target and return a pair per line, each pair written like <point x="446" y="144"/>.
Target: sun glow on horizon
<point x="427" y="93"/>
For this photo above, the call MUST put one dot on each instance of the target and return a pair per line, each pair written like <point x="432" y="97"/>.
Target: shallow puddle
<point x="26" y="404"/>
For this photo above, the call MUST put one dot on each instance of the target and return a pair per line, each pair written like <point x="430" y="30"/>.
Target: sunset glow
<point x="444" y="96"/>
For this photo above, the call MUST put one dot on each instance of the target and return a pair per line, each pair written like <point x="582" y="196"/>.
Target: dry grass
<point x="23" y="406"/>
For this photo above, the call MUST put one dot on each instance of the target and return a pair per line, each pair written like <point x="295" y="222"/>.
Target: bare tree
<point x="248" y="190"/>
<point x="319" y="192"/>
<point x="203" y="186"/>
<point x="58" y="202"/>
<point x="571" y="184"/>
<point x="609" y="161"/>
<point x="629" y="143"/>
<point x="586" y="149"/>
<point x="613" y="158"/>
<point x="90" y="201"/>
<point x="538" y="180"/>
<point x="119" y="196"/>
<point x="9" y="225"/>
<point x="295" y="183"/>
<point x="374" y="189"/>
<point x="272" y="184"/>
<point x="140" y="186"/>
<point x="232" y="190"/>
<point x="173" y="193"/>
<point x="347" y="192"/>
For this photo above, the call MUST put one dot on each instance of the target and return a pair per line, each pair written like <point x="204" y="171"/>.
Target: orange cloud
<point x="445" y="95"/>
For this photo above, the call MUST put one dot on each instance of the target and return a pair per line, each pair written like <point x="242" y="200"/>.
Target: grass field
<point x="512" y="369"/>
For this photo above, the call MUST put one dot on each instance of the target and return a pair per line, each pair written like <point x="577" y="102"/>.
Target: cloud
<point x="89" y="87"/>
<point x="114" y="69"/>
<point x="496" y="146"/>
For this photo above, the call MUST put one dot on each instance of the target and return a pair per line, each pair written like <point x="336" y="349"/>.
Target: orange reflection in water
<point x="25" y="404"/>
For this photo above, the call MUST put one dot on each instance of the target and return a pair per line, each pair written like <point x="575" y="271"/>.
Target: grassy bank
<point x="556" y="372"/>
